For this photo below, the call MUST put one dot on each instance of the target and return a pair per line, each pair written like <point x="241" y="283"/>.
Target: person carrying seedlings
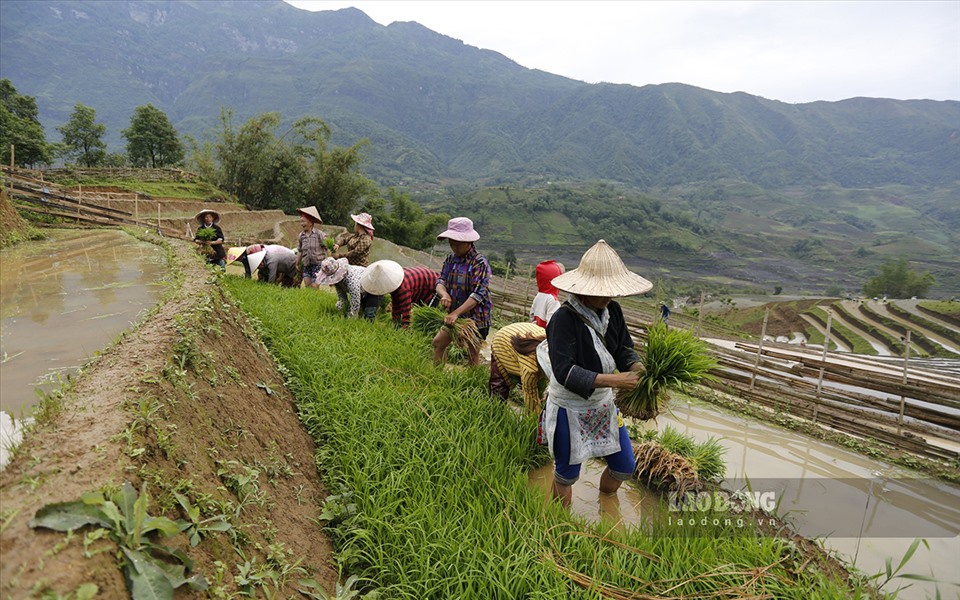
<point x="513" y="357"/>
<point x="463" y="287"/>
<point x="345" y="278"/>
<point x="355" y="247"/>
<point x="274" y="264"/>
<point x="406" y="285"/>
<point x="311" y="249"/>
<point x="545" y="303"/>
<point x="588" y="352"/>
<point x="209" y="236"/>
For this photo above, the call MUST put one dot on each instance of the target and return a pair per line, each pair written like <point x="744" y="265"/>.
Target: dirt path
<point x="158" y="408"/>
<point x="854" y="326"/>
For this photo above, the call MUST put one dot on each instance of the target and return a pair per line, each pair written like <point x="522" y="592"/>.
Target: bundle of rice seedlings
<point x="674" y="359"/>
<point x="428" y="320"/>
<point x="706" y="457"/>
<point x="661" y="469"/>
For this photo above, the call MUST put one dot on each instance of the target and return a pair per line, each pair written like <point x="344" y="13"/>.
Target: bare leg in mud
<point x="563" y="492"/>
<point x="608" y="483"/>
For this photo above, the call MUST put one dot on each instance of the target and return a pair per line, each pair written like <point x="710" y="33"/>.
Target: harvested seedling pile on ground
<point x="431" y="488"/>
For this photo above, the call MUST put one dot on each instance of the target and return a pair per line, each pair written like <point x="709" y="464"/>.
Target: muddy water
<point x="865" y="510"/>
<point x="64" y="298"/>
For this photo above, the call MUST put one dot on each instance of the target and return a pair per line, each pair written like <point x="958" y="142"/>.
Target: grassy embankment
<point x="431" y="490"/>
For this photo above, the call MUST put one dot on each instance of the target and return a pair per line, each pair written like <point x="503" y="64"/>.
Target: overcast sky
<point x="798" y="51"/>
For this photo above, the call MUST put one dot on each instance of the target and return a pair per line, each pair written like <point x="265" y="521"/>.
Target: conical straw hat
<point x="602" y="273"/>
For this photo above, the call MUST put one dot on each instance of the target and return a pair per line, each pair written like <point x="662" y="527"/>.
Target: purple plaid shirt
<point x="468" y="277"/>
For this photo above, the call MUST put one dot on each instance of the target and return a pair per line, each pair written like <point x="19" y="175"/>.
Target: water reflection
<point x="64" y="298"/>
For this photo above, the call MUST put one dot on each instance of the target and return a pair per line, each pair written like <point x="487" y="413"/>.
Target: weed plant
<point x="433" y="499"/>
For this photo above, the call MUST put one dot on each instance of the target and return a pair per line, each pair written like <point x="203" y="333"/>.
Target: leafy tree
<point x="83" y="137"/>
<point x="151" y="139"/>
<point x="20" y="127"/>
<point x="295" y="169"/>
<point x="897" y="280"/>
<point x="405" y="223"/>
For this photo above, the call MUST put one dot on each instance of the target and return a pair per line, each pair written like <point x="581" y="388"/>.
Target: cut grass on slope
<point x="440" y="505"/>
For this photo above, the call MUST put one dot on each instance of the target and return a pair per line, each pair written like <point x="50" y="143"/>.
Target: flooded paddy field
<point x="63" y="299"/>
<point x="865" y="510"/>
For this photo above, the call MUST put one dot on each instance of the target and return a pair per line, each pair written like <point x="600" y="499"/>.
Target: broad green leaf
<point x="125" y="499"/>
<point x="165" y="526"/>
<point x="69" y="515"/>
<point x="146" y="580"/>
<point x="87" y="591"/>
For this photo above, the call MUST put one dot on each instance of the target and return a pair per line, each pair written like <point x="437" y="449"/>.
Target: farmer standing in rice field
<point x="310" y="247"/>
<point x="406" y="285"/>
<point x="587" y="341"/>
<point x="355" y="247"/>
<point x="463" y="287"/>
<point x="210" y="219"/>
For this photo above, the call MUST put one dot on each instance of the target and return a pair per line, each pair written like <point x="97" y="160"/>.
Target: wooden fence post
<point x="823" y="360"/>
<point x="763" y="335"/>
<point x="903" y="399"/>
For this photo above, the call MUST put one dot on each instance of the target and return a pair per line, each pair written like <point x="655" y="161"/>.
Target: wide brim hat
<point x="199" y="216"/>
<point x="382" y="277"/>
<point x="235" y="253"/>
<point x="602" y="273"/>
<point x="332" y="271"/>
<point x="311" y="212"/>
<point x="255" y="259"/>
<point x="365" y="220"/>
<point x="460" y="229"/>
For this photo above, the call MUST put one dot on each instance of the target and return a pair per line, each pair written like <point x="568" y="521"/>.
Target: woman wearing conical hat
<point x="588" y="353"/>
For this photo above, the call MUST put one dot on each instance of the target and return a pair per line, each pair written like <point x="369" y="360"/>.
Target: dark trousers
<point x="369" y="305"/>
<point x="499" y="385"/>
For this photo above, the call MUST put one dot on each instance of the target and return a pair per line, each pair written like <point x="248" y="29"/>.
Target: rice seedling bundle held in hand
<point x="674" y="358"/>
<point x="428" y="320"/>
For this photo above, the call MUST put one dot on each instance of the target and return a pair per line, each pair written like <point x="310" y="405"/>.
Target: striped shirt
<point x="511" y="362"/>
<point x="357" y="249"/>
<point x="418" y="287"/>
<point x="468" y="277"/>
<point x="311" y="248"/>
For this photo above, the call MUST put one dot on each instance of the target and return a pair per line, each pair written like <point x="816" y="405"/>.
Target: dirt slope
<point x="158" y="408"/>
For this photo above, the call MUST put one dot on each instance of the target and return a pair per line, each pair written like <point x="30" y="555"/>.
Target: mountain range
<point x="441" y="114"/>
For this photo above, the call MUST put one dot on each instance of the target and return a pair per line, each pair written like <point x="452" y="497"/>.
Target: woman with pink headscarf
<point x="545" y="303"/>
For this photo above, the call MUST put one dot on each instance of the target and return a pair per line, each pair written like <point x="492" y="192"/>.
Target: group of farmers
<point x="581" y="347"/>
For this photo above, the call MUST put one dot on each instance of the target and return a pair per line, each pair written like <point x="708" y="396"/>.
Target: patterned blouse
<point x="357" y="249"/>
<point x="469" y="277"/>
<point x="349" y="290"/>
<point x="312" y="250"/>
<point x="418" y="287"/>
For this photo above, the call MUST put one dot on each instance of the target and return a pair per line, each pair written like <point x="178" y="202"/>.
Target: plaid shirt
<point x="312" y="250"/>
<point x="468" y="277"/>
<point x="419" y="285"/>
<point x="358" y="249"/>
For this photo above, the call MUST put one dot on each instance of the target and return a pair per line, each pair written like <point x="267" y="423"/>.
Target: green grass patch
<point x="942" y="307"/>
<point x="431" y="480"/>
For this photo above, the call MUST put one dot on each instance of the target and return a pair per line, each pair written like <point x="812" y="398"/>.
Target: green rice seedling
<point x="438" y="476"/>
<point x="707" y="460"/>
<point x="674" y="359"/>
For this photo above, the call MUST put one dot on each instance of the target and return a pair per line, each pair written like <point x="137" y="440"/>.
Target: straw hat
<point x="460" y="229"/>
<point x="312" y="213"/>
<point x="602" y="273"/>
<point x="199" y="216"/>
<point x="255" y="259"/>
<point x="234" y="253"/>
<point x="332" y="271"/>
<point x="382" y="277"/>
<point x="364" y="219"/>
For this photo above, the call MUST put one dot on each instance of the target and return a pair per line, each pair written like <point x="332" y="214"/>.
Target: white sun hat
<point x="602" y="273"/>
<point x="255" y="259"/>
<point x="382" y="277"/>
